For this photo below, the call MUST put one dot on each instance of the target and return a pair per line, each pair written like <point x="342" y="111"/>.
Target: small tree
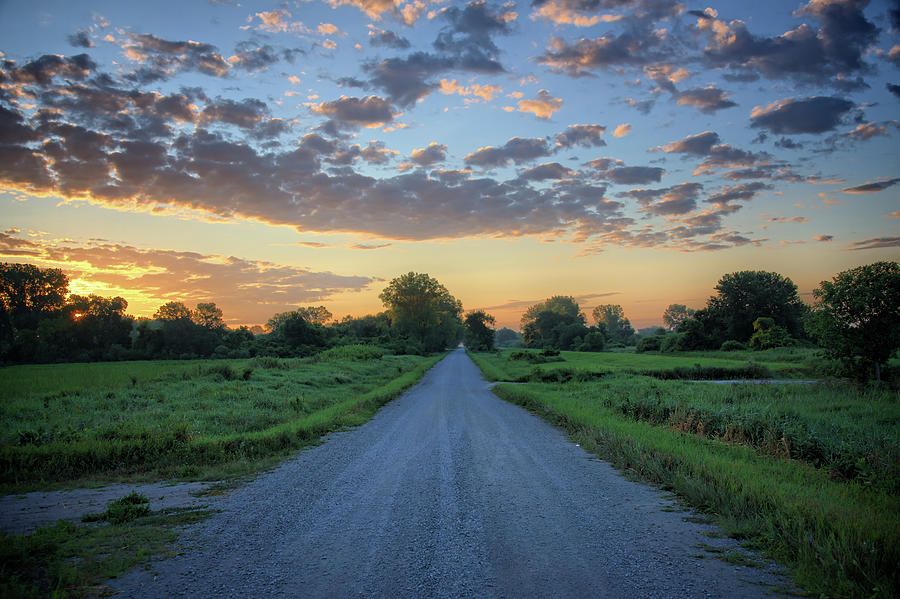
<point x="208" y="315"/>
<point x="675" y="314"/>
<point x="856" y="317"/>
<point x="767" y="334"/>
<point x="618" y="328"/>
<point x="478" y="335"/>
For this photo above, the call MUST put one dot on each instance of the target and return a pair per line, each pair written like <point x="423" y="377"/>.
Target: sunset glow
<point x="265" y="156"/>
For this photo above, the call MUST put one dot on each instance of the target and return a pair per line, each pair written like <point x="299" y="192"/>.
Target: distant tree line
<point x="41" y="322"/>
<point x="855" y="318"/>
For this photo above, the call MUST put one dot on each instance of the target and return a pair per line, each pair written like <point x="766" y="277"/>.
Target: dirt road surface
<point x="447" y="492"/>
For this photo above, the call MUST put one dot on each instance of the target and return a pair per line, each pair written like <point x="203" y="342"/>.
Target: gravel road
<point x="447" y="492"/>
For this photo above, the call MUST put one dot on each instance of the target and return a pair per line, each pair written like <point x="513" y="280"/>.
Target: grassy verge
<point x="735" y="452"/>
<point x="530" y="365"/>
<point x="66" y="560"/>
<point x="192" y="421"/>
<point x="226" y="421"/>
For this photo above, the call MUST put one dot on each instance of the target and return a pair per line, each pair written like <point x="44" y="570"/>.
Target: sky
<point x="267" y="155"/>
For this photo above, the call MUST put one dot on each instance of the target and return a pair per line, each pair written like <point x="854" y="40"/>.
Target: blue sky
<point x="270" y="155"/>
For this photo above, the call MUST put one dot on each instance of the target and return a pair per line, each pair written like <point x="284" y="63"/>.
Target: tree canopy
<point x="479" y="336"/>
<point x="618" y="328"/>
<point x="422" y="311"/>
<point x="558" y="323"/>
<point x="675" y="314"/>
<point x="856" y="317"/>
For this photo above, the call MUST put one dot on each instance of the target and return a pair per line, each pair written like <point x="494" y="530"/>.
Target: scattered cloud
<point x="81" y="39"/>
<point x="622" y="130"/>
<point x="542" y="106"/>
<point x="810" y="115"/>
<point x="707" y="100"/>
<point x="431" y="155"/>
<point x="371" y="111"/>
<point x="518" y="150"/>
<point x="581" y="135"/>
<point x="369" y="246"/>
<point x="387" y="39"/>
<point x="550" y="170"/>
<point x="875" y="243"/>
<point x="872" y="187"/>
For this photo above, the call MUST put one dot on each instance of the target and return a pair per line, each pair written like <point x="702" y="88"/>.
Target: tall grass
<point x="202" y="414"/>
<point x="806" y="473"/>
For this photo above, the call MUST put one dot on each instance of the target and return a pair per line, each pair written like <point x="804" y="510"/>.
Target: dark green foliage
<point x="424" y="316"/>
<point x="564" y="375"/>
<point x="709" y="373"/>
<point x="548" y="355"/>
<point x="651" y="343"/>
<point x="675" y="314"/>
<point x="767" y="334"/>
<point x="611" y="319"/>
<point x="507" y="337"/>
<point x="478" y="336"/>
<point x="295" y="330"/>
<point x="594" y="340"/>
<point x="732" y="345"/>
<point x="559" y="324"/>
<point x="742" y="297"/>
<point x="857" y="316"/>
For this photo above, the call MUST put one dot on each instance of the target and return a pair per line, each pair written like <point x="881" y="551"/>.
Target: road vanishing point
<point x="448" y="492"/>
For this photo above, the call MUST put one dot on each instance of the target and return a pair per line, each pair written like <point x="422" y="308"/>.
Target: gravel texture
<point x="447" y="492"/>
<point x="21" y="514"/>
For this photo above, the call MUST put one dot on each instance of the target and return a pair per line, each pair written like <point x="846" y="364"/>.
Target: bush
<point x="767" y="334"/>
<point x="709" y="373"/>
<point x="563" y="375"/>
<point x="651" y="343"/>
<point x="593" y="341"/>
<point x="672" y="343"/>
<point x="548" y="355"/>
<point x="356" y="352"/>
<point x="732" y="345"/>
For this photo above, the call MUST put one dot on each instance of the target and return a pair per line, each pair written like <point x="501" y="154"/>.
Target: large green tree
<point x="479" y="336"/>
<point x="747" y="295"/>
<point x="618" y="328"/>
<point x="556" y="323"/>
<point x="422" y="312"/>
<point x="856" y="317"/>
<point x="29" y="293"/>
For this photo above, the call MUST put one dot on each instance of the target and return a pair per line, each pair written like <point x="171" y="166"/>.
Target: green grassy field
<point x="72" y="422"/>
<point x="773" y="363"/>
<point x="809" y="474"/>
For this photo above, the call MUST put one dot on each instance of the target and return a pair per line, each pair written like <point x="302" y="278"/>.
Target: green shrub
<point x="356" y="352"/>
<point x="673" y="343"/>
<point x="651" y="343"/>
<point x="732" y="345"/>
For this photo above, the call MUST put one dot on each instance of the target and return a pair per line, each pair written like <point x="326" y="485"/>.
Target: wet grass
<point x="196" y="420"/>
<point x="808" y="474"/>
